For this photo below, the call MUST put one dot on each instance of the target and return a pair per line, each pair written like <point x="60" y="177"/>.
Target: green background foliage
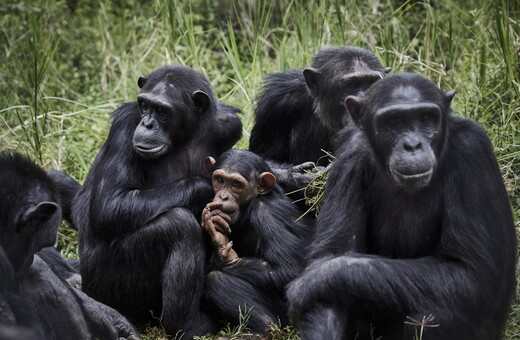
<point x="66" y="64"/>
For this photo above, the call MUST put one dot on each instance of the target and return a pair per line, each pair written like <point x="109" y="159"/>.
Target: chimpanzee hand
<point x="216" y="223"/>
<point x="219" y="218"/>
<point x="217" y="231"/>
<point x="296" y="176"/>
<point x="304" y="168"/>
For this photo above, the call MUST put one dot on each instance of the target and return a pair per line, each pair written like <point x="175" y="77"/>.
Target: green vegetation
<point x="66" y="64"/>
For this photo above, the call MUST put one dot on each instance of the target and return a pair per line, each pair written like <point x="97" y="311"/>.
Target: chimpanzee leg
<point x="228" y="293"/>
<point x="323" y="322"/>
<point x="127" y="273"/>
<point x="183" y="279"/>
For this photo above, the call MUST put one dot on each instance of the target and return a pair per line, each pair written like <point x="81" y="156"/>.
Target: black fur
<point x="68" y="188"/>
<point x="36" y="301"/>
<point x="142" y="249"/>
<point x="384" y="257"/>
<point x="291" y="121"/>
<point x="270" y="244"/>
<point x="295" y="123"/>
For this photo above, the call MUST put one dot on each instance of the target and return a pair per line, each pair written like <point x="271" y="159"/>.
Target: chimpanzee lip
<point x="414" y="176"/>
<point x="229" y="212"/>
<point x="149" y="150"/>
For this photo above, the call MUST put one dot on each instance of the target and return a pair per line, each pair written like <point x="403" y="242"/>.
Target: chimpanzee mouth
<point x="149" y="149"/>
<point x="412" y="182"/>
<point x="413" y="176"/>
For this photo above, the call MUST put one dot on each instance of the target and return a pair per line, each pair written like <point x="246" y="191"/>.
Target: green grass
<point x="66" y="64"/>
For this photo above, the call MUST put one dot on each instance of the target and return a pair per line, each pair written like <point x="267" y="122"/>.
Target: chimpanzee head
<point x="172" y="102"/>
<point x="404" y="118"/>
<point x="29" y="210"/>
<point x="238" y="177"/>
<point x="336" y="73"/>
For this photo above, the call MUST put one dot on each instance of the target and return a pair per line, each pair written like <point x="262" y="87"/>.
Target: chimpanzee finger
<point x="208" y="223"/>
<point x="317" y="169"/>
<point x="213" y="205"/>
<point x="228" y="254"/>
<point x="224" y="251"/>
<point x="218" y="212"/>
<point x="220" y="224"/>
<point x="203" y="218"/>
<point x="304" y="178"/>
<point x="304" y="166"/>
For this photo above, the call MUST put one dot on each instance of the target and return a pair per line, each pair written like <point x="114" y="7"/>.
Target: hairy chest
<point x="403" y="225"/>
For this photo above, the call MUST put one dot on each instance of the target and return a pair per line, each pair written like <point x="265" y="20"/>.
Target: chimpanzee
<point x="39" y="300"/>
<point x="416" y="232"/>
<point x="265" y="249"/>
<point x="142" y="249"/>
<point x="301" y="110"/>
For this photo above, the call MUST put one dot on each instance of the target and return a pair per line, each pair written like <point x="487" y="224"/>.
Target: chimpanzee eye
<point x="161" y="112"/>
<point x="237" y="185"/>
<point x="392" y="123"/>
<point x="144" y="107"/>
<point x="219" y="179"/>
<point x="426" y="118"/>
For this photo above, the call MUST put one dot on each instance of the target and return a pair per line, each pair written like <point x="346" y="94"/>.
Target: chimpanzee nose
<point x="148" y="122"/>
<point x="412" y="143"/>
<point x="224" y="196"/>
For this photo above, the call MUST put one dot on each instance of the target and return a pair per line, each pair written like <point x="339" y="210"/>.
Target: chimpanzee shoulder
<point x="283" y="102"/>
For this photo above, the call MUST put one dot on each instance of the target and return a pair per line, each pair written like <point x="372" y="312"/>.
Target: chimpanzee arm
<point x="477" y="246"/>
<point x="130" y="209"/>
<point x="279" y="244"/>
<point x="344" y="203"/>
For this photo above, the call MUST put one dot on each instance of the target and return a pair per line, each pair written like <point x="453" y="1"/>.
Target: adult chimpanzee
<point x="416" y="229"/>
<point x="265" y="249"/>
<point x="300" y="111"/>
<point x="142" y="249"/>
<point x="38" y="298"/>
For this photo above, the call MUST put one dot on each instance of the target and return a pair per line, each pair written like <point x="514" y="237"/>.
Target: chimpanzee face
<point x="168" y="116"/>
<point x="336" y="74"/>
<point x="234" y="190"/>
<point x="404" y="136"/>
<point x="151" y="137"/>
<point x="404" y="126"/>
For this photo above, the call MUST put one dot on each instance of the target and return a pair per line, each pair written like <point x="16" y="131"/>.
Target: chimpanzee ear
<point x="268" y="180"/>
<point x="36" y="215"/>
<point x="200" y="100"/>
<point x="141" y="81"/>
<point x="312" y="79"/>
<point x="450" y="94"/>
<point x="209" y="162"/>
<point x="354" y="105"/>
<point x="388" y="69"/>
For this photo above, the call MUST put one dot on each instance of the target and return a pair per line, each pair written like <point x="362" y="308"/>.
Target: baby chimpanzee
<point x="264" y="252"/>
